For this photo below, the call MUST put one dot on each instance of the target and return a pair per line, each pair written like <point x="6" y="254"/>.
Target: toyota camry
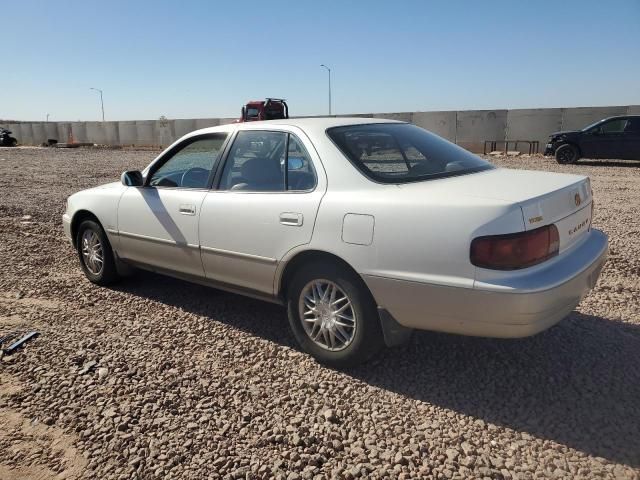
<point x="364" y="229"/>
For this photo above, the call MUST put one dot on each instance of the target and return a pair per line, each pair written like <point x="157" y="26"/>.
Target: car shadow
<point x="577" y="384"/>
<point x="609" y="163"/>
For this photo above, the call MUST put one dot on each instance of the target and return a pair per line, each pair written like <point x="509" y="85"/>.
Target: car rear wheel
<point x="333" y="315"/>
<point x="567" y="154"/>
<point x="96" y="256"/>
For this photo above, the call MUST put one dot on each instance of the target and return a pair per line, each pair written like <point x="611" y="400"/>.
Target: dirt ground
<point x="194" y="383"/>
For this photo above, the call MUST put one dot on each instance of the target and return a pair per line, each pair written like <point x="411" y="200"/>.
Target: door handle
<point x="187" y="209"/>
<point x="291" y="219"/>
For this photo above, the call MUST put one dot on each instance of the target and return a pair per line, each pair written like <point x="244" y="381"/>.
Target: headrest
<point x="261" y="171"/>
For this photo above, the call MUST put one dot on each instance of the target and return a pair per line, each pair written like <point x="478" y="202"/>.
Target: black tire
<point x="567" y="154"/>
<point x="367" y="339"/>
<point x="13" y="142"/>
<point x="108" y="273"/>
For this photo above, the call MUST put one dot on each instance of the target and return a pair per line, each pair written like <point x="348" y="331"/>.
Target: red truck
<point x="269" y="109"/>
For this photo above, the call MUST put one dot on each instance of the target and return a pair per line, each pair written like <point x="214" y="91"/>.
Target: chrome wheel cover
<point x="92" y="253"/>
<point x="327" y="316"/>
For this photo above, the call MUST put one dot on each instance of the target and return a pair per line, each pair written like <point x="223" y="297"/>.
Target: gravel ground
<point x="157" y="378"/>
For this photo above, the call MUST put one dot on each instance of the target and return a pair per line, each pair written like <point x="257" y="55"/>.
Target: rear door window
<point x="301" y="175"/>
<point x="257" y="159"/>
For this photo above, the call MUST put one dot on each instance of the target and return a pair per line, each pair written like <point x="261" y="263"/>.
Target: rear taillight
<point x="515" y="250"/>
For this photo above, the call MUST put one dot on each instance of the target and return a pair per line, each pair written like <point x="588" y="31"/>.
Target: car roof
<point x="307" y="123"/>
<point x="620" y="117"/>
<point x="328" y="122"/>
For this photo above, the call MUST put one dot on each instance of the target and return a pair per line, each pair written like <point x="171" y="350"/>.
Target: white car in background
<point x="365" y="229"/>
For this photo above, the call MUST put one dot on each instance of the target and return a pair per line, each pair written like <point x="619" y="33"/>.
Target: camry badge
<point x="577" y="199"/>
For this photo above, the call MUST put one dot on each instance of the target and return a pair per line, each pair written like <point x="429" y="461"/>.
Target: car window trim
<point x="160" y="162"/>
<point x="214" y="182"/>
<point x="285" y="167"/>
<point x="215" y="186"/>
<point x="313" y="167"/>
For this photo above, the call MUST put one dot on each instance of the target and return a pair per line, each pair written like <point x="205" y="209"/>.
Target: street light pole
<point x="101" y="102"/>
<point x="329" y="71"/>
<point x="47" y="118"/>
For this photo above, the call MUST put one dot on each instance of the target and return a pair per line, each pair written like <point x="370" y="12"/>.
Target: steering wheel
<point x="195" y="177"/>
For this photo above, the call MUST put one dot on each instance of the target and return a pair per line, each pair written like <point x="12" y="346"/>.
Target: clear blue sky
<point x="203" y="58"/>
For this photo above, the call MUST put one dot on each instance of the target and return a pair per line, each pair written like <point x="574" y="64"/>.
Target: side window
<point x="633" y="126"/>
<point x="253" y="163"/>
<point x="191" y="165"/>
<point x="614" y="126"/>
<point x="256" y="163"/>
<point x="300" y="174"/>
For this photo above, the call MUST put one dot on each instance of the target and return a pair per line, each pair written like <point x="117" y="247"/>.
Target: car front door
<point x="265" y="204"/>
<point x="158" y="222"/>
<point x="605" y="140"/>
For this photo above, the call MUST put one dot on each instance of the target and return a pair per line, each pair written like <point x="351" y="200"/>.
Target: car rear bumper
<point x="539" y="301"/>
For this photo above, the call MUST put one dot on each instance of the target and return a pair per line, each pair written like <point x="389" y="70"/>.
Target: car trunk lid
<point x="569" y="208"/>
<point x="544" y="197"/>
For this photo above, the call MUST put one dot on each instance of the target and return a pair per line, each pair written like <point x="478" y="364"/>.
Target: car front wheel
<point x="333" y="315"/>
<point x="94" y="251"/>
<point x="566" y="154"/>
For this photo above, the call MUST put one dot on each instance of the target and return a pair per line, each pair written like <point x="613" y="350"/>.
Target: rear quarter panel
<point x="423" y="238"/>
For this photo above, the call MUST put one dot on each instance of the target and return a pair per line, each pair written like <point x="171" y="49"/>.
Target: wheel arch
<point x="306" y="256"/>
<point x="79" y="217"/>
<point x="393" y="333"/>
<point x="574" y="144"/>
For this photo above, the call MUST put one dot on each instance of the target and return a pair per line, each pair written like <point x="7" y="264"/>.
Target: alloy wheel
<point x="327" y="315"/>
<point x="92" y="253"/>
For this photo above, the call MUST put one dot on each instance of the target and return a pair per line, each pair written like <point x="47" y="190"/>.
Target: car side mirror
<point x="132" y="178"/>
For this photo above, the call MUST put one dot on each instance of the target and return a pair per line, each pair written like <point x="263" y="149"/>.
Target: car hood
<point x="111" y="185"/>
<point x="565" y="132"/>
<point x="100" y="188"/>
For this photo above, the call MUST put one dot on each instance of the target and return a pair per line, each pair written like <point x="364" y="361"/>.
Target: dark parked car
<point x="6" y="140"/>
<point x="614" y="137"/>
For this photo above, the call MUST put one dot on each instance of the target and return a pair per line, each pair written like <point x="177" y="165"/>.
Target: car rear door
<point x="605" y="140"/>
<point x="631" y="139"/>
<point x="158" y="222"/>
<point x="260" y="210"/>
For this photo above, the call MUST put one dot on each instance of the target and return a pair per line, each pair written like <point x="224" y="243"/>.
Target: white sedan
<point x="365" y="229"/>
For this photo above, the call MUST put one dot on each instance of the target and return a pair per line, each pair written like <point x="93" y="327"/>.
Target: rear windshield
<point x="401" y="152"/>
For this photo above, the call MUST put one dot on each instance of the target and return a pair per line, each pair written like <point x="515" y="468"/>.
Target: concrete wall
<point x="440" y="123"/>
<point x="473" y="127"/>
<point x="532" y="124"/>
<point x="469" y="128"/>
